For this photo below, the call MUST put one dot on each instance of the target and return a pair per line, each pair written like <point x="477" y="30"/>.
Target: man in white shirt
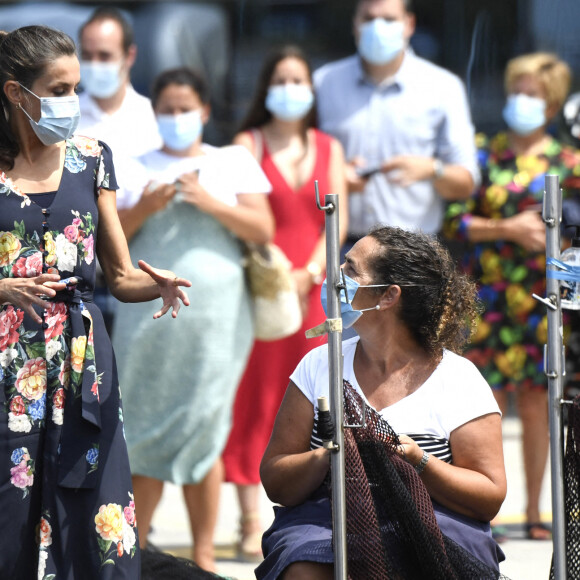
<point x="111" y="109"/>
<point x="404" y="123"/>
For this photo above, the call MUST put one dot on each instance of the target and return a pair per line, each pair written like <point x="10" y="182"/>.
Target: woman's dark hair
<point x="258" y="115"/>
<point x="24" y="55"/>
<point x="438" y="303"/>
<point x="180" y="76"/>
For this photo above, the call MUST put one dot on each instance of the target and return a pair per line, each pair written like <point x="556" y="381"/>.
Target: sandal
<point x="538" y="531"/>
<point x="499" y="534"/>
<point x="250" y="543"/>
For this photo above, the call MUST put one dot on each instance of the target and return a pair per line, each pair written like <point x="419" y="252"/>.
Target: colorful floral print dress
<point x="508" y="344"/>
<point x="66" y="504"/>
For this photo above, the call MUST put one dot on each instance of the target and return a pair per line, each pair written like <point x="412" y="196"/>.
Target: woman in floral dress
<point x="66" y="504"/>
<point x="503" y="225"/>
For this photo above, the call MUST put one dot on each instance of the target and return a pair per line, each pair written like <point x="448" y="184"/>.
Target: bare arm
<point x="525" y="229"/>
<point x="475" y="483"/>
<point x="127" y="283"/>
<point x="290" y="471"/>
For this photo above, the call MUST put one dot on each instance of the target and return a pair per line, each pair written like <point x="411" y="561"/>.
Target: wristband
<point x="421" y="465"/>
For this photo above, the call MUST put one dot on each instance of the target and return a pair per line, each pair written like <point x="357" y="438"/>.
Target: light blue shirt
<point x="421" y="110"/>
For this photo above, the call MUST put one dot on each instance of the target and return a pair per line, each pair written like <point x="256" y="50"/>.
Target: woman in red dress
<point x="279" y="131"/>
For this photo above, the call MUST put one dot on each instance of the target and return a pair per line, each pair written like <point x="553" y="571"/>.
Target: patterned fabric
<point x="65" y="488"/>
<point x="508" y="345"/>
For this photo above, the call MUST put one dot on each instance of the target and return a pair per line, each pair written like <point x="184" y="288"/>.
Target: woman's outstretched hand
<point x="169" y="288"/>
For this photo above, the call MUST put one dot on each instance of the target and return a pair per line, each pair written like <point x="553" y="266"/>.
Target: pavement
<point x="525" y="559"/>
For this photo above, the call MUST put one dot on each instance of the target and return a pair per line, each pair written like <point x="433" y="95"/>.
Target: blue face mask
<point x="100" y="79"/>
<point x="524" y="114"/>
<point x="347" y="313"/>
<point x="289" y="102"/>
<point x="59" y="118"/>
<point x="381" y="41"/>
<point x="180" y="131"/>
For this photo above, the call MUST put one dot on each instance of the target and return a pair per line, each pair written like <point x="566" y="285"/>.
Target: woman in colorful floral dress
<point x="66" y="503"/>
<point x="502" y="222"/>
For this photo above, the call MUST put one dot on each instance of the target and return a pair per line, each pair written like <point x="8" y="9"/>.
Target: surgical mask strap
<point x="344" y="287"/>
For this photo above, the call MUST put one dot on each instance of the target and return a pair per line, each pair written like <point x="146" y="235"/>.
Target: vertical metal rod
<point x="552" y="215"/>
<point x="336" y="388"/>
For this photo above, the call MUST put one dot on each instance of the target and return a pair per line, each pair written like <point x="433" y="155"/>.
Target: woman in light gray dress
<point x="195" y="206"/>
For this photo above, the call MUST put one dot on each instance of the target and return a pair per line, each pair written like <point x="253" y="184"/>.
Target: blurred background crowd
<point x="144" y="64"/>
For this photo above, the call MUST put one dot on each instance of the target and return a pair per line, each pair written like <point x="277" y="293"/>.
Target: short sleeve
<point x="106" y="170"/>
<point x="467" y="395"/>
<point x="249" y="177"/>
<point x="311" y="374"/>
<point x="132" y="179"/>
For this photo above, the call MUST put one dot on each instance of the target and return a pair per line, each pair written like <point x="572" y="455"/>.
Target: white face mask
<point x="59" y="118"/>
<point x="524" y="114"/>
<point x="381" y="41"/>
<point x="289" y="102"/>
<point x="101" y="79"/>
<point x="180" y="131"/>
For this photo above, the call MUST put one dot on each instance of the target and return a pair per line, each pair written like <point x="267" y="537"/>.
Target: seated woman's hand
<point x="169" y="289"/>
<point x="24" y="293"/>
<point x="409" y="450"/>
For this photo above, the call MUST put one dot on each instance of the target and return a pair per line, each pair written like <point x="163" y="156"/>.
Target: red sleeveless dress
<point x="299" y="224"/>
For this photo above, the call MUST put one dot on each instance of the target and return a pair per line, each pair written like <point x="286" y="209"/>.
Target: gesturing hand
<point x="24" y="293"/>
<point x="169" y="288"/>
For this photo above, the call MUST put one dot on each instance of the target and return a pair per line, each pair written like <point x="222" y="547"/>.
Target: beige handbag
<point x="276" y="305"/>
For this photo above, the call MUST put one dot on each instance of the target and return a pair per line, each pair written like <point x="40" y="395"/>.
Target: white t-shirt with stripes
<point x="453" y="395"/>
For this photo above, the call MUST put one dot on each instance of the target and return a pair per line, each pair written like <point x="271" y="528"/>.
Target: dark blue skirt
<point x="304" y="534"/>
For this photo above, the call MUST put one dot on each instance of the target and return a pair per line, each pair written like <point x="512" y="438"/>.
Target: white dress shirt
<point x="422" y="110"/>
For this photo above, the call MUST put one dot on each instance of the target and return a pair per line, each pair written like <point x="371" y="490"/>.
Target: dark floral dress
<point x="66" y="504"/>
<point x="508" y="345"/>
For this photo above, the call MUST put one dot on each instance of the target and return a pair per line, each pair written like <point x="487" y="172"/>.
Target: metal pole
<point x="334" y="286"/>
<point x="554" y="365"/>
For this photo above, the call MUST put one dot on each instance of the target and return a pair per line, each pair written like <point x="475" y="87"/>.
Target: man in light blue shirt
<point x="404" y="123"/>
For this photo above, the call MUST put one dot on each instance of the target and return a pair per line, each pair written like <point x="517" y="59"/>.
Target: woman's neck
<point x="192" y="151"/>
<point x="532" y="144"/>
<point x="278" y="129"/>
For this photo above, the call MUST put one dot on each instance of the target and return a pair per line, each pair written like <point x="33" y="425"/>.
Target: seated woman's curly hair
<point x="438" y="303"/>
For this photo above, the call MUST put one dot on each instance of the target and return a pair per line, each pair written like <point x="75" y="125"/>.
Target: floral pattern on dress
<point x="115" y="527"/>
<point x="22" y="474"/>
<point x="508" y="343"/>
<point x="60" y="403"/>
<point x="44" y="541"/>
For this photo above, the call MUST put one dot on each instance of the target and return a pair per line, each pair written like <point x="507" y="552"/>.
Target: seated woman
<point x="404" y="364"/>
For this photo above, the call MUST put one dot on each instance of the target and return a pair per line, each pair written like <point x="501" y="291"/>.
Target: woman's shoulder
<point x="456" y="370"/>
<point x="324" y="138"/>
<point x="88" y="146"/>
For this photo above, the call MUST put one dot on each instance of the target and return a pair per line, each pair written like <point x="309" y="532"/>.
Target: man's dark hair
<point x="408" y="4"/>
<point x="112" y="13"/>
